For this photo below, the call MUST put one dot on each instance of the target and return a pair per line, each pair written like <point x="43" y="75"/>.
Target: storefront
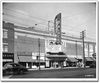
<point x="89" y="60"/>
<point x="72" y="62"/>
<point x="8" y="58"/>
<point x="56" y="60"/>
<point x="28" y="62"/>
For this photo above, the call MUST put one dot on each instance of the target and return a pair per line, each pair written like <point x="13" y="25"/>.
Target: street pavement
<point x="59" y="73"/>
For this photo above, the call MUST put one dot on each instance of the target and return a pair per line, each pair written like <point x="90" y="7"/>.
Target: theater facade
<point x="32" y="48"/>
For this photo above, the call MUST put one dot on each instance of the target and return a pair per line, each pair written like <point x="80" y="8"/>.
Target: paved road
<point x="60" y="73"/>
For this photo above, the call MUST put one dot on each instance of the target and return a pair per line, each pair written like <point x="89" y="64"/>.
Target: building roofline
<point x="38" y="33"/>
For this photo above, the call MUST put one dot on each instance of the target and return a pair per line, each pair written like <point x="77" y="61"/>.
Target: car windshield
<point x="8" y="66"/>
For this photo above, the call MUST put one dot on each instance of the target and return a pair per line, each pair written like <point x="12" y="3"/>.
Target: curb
<point x="45" y="69"/>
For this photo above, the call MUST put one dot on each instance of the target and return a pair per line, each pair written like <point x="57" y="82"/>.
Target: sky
<point x="76" y="17"/>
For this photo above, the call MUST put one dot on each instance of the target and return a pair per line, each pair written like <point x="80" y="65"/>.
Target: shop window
<point x="90" y="54"/>
<point x="5" y="33"/>
<point x="16" y="36"/>
<point x="86" y="47"/>
<point x="86" y="53"/>
<point x="5" y="48"/>
<point x="37" y="57"/>
<point x="91" y="48"/>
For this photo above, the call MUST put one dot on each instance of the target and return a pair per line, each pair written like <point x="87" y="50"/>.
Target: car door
<point x="17" y="68"/>
<point x="9" y="68"/>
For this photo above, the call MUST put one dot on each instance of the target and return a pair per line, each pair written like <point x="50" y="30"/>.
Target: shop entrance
<point x="56" y="64"/>
<point x="56" y="60"/>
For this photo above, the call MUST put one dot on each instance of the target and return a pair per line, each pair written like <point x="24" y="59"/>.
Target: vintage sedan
<point x="14" y="68"/>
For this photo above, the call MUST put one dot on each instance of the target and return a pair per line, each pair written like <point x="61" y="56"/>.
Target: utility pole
<point x="39" y="51"/>
<point x="76" y="48"/>
<point x="82" y="35"/>
<point x="48" y="25"/>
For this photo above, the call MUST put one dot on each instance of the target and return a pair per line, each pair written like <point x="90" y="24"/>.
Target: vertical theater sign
<point x="55" y="55"/>
<point x="57" y="28"/>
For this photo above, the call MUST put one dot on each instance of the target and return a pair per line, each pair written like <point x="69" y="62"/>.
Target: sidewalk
<point x="35" y="69"/>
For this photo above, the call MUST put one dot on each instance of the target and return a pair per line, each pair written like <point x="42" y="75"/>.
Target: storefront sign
<point x="7" y="60"/>
<point x="54" y="48"/>
<point x="57" y="28"/>
<point x="8" y="57"/>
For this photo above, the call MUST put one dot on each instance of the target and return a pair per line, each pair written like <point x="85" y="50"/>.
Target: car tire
<point x="5" y="72"/>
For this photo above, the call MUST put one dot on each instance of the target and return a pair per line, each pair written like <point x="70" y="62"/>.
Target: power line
<point x="77" y="14"/>
<point x="39" y="19"/>
<point x="68" y="26"/>
<point x="28" y="25"/>
<point x="19" y="19"/>
<point x="16" y="22"/>
<point x="90" y="38"/>
<point x="68" y="33"/>
<point x="72" y="35"/>
<point x="28" y="15"/>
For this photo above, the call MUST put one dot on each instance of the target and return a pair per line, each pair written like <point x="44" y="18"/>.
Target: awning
<point x="28" y="59"/>
<point x="89" y="59"/>
<point x="56" y="53"/>
<point x="71" y="59"/>
<point x="56" y="57"/>
<point x="93" y="59"/>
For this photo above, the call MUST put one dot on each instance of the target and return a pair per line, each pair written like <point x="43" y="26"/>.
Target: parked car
<point x="14" y="68"/>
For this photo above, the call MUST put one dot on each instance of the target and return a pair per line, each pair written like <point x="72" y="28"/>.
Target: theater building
<point x="30" y="43"/>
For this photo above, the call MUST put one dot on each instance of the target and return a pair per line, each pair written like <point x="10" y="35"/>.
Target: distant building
<point x="26" y="47"/>
<point x="8" y="42"/>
